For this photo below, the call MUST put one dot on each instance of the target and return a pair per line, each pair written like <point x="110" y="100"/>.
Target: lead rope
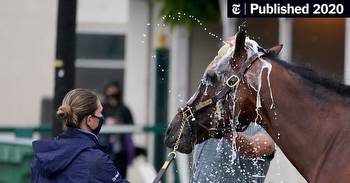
<point x="172" y="154"/>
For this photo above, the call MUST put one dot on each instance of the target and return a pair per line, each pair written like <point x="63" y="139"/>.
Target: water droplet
<point x="61" y="73"/>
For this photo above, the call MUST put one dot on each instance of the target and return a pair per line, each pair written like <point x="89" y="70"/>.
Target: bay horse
<point x="305" y="113"/>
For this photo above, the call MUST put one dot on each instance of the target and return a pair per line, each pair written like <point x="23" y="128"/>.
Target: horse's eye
<point x="211" y="76"/>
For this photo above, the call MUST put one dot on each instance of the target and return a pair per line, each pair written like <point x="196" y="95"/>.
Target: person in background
<point x="121" y="148"/>
<point x="75" y="155"/>
<point x="214" y="160"/>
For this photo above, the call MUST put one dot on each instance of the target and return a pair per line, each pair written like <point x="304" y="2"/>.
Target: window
<point x="100" y="60"/>
<point x="100" y="46"/>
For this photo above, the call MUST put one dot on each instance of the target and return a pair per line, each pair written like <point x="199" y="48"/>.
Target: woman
<point x="121" y="147"/>
<point x="75" y="155"/>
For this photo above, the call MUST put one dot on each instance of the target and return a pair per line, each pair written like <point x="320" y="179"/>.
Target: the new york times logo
<point x="236" y="9"/>
<point x="281" y="8"/>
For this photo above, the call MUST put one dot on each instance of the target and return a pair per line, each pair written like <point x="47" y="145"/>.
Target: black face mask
<point x="101" y="120"/>
<point x="115" y="96"/>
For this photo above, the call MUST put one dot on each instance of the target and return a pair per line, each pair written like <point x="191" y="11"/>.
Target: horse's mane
<point x="314" y="77"/>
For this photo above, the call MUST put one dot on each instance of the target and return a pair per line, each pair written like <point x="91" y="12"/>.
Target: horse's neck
<point x="303" y="126"/>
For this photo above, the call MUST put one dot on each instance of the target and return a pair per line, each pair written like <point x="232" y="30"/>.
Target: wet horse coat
<point x="310" y="121"/>
<point x="306" y="114"/>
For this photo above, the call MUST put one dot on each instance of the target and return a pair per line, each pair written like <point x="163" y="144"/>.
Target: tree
<point x="207" y="11"/>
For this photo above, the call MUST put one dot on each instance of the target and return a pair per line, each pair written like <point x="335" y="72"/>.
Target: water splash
<point x="221" y="66"/>
<point x="179" y="16"/>
<point x="219" y="147"/>
<point x="207" y="84"/>
<point x="254" y="79"/>
<point x="233" y="124"/>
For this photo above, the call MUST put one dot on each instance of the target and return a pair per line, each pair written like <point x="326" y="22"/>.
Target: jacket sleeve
<point x="105" y="171"/>
<point x="127" y="116"/>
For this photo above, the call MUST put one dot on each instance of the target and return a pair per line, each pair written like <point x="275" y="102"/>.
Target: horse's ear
<point x="275" y="50"/>
<point x="240" y="38"/>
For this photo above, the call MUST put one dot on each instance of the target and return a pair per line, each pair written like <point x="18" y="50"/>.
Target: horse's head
<point x="224" y="100"/>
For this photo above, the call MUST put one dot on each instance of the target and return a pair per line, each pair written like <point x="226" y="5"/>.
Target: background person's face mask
<point x="114" y="99"/>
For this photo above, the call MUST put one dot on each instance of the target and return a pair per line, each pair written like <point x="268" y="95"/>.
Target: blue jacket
<point x="74" y="156"/>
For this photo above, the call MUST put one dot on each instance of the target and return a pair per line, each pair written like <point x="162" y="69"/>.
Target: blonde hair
<point x="77" y="104"/>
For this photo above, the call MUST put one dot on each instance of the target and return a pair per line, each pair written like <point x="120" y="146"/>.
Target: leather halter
<point x="233" y="81"/>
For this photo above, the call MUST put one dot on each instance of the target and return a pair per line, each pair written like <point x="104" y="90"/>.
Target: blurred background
<point x="157" y="52"/>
